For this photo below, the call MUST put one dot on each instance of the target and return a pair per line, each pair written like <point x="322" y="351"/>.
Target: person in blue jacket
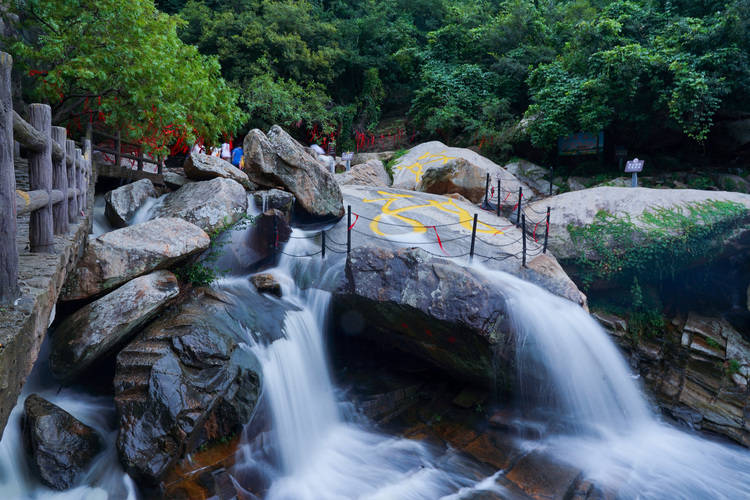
<point x="237" y="154"/>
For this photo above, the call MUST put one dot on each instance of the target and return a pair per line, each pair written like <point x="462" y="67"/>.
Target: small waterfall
<point x="575" y="373"/>
<point x="320" y="454"/>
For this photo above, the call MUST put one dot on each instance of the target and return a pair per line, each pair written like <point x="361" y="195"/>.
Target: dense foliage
<point x="121" y="63"/>
<point x="469" y="71"/>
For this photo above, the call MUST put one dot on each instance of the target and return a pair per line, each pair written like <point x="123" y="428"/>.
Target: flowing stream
<point x="317" y="447"/>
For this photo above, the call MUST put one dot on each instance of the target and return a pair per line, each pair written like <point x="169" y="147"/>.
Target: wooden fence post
<point x="140" y="158"/>
<point x="41" y="237"/>
<point x="546" y="232"/>
<point x="80" y="181"/>
<point x="486" y="190"/>
<point x="60" y="182"/>
<point x="520" y="200"/>
<point x="8" y="228"/>
<point x="473" y="238"/>
<point x="523" y="234"/>
<point x="88" y="154"/>
<point x="70" y="161"/>
<point x="498" y="196"/>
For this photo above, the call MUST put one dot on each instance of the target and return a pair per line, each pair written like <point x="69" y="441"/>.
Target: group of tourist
<point x="225" y="152"/>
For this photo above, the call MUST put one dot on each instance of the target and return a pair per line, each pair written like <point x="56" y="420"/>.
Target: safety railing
<point x="59" y="178"/>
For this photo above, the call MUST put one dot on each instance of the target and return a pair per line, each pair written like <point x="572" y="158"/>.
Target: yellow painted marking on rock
<point x="449" y="206"/>
<point x="25" y="196"/>
<point x="417" y="168"/>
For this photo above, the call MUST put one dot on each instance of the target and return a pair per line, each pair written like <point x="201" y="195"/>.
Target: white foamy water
<point x="320" y="455"/>
<point x="576" y="374"/>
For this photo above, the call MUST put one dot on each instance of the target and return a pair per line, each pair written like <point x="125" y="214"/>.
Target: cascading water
<point x="105" y="477"/>
<point x="608" y="429"/>
<point x="320" y="454"/>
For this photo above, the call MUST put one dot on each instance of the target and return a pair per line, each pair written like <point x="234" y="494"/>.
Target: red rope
<point x="534" y="234"/>
<point x="438" y="238"/>
<point x="355" y="221"/>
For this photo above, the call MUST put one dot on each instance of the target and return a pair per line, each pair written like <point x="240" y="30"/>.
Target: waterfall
<point x="576" y="375"/>
<point x="321" y="454"/>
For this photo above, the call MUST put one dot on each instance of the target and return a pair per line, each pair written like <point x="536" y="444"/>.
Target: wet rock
<point x="201" y="167"/>
<point x="409" y="170"/>
<point x="114" y="258"/>
<point x="614" y="325"/>
<point x="545" y="271"/>
<point x="271" y="232"/>
<point x="534" y="176"/>
<point x="100" y="327"/>
<point x="59" y="447"/>
<point x="209" y="205"/>
<point x="123" y="202"/>
<point x="274" y="198"/>
<point x="384" y="156"/>
<point x="186" y="380"/>
<point x="370" y="173"/>
<point x="278" y="160"/>
<point x="539" y="476"/>
<point x="455" y="176"/>
<point x="430" y="307"/>
<point x="266" y="283"/>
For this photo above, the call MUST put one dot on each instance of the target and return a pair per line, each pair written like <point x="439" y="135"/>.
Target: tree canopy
<point x="122" y="63"/>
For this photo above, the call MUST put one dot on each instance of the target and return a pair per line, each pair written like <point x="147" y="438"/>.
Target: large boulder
<point x="123" y="202"/>
<point x="371" y="173"/>
<point x="409" y="170"/>
<point x="453" y="316"/>
<point x="99" y="328"/>
<point x="455" y="176"/>
<point x="189" y="379"/>
<point x="278" y="160"/>
<point x="201" y="167"/>
<point x="209" y="205"/>
<point x="430" y="307"/>
<point x="116" y="257"/>
<point x="581" y="208"/>
<point x="59" y="447"/>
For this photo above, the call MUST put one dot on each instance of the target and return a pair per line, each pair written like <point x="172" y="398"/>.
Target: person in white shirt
<point x="226" y="152"/>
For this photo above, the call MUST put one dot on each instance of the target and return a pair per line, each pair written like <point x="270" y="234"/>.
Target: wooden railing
<point x="139" y="158"/>
<point x="59" y="178"/>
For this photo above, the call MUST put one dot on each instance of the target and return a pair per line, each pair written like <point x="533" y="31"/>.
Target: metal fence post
<point x="60" y="182"/>
<point x="41" y="237"/>
<point x="8" y="227"/>
<point x="348" y="229"/>
<point x="473" y="237"/>
<point x="322" y="244"/>
<point x="520" y="199"/>
<point x="498" y="197"/>
<point x="546" y="233"/>
<point x="523" y="230"/>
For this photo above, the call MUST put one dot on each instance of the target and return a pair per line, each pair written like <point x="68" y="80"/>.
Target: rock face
<point x="208" y="204"/>
<point x="698" y="370"/>
<point x="100" y="327"/>
<point x="175" y="180"/>
<point x="114" y="258"/>
<point x="123" y="202"/>
<point x="271" y="230"/>
<point x="185" y="380"/>
<point x="59" y="447"/>
<point x="427" y="306"/>
<point x="409" y="170"/>
<point x="383" y="156"/>
<point x="580" y="208"/>
<point x="545" y="271"/>
<point x="534" y="176"/>
<point x="455" y="176"/>
<point x="274" y="198"/>
<point x="278" y="160"/>
<point x="266" y="283"/>
<point x="371" y="173"/>
<point x="200" y="167"/>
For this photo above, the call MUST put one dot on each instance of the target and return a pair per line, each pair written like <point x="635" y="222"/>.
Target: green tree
<point x="123" y="63"/>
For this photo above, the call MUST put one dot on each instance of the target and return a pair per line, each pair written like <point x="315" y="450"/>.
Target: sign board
<point x="348" y="156"/>
<point x="633" y="166"/>
<point x="582" y="143"/>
